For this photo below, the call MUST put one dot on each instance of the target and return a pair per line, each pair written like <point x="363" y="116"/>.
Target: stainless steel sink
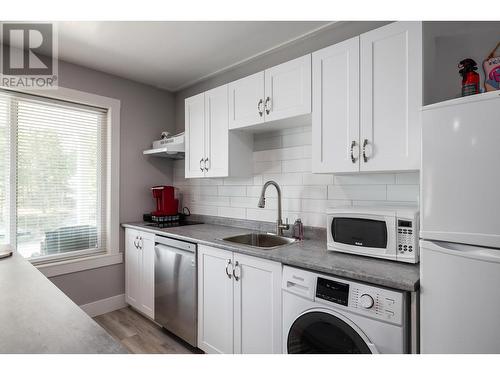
<point x="260" y="240"/>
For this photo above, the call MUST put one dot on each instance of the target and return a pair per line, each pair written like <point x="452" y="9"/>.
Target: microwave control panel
<point x="407" y="239"/>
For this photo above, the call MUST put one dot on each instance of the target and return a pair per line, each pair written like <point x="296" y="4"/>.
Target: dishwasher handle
<point x="173" y="243"/>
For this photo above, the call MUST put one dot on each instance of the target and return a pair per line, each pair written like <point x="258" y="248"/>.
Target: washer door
<point x="324" y="332"/>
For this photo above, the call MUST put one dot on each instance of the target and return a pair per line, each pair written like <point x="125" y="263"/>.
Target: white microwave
<point x="380" y="232"/>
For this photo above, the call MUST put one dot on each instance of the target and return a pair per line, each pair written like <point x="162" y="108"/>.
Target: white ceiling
<point x="173" y="55"/>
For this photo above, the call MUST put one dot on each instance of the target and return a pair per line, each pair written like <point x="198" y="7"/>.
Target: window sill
<point x="80" y="264"/>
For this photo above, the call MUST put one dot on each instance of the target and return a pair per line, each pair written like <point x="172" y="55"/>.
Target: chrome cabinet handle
<point x="201" y="161"/>
<point x="261" y="112"/>
<point x="206" y="161"/>
<point x="227" y="269"/>
<point x="353" y="159"/>
<point x="365" y="143"/>
<point x="141" y="243"/>
<point x="268" y="108"/>
<point x="236" y="265"/>
<point x="136" y="244"/>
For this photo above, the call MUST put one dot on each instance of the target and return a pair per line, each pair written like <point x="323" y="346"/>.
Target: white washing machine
<point x="323" y="314"/>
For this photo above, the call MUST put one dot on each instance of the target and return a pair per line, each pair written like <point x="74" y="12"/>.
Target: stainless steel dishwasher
<point x="176" y="303"/>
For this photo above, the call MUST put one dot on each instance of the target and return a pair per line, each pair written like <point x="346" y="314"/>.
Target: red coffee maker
<point x="166" y="204"/>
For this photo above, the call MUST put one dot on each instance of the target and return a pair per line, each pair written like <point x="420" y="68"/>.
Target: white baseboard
<point x="105" y="305"/>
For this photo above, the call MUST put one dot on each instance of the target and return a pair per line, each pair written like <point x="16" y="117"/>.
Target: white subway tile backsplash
<point x="266" y="141"/>
<point x="297" y="139"/>
<point x="203" y="190"/>
<point x="406" y="193"/>
<point x="364" y="179"/>
<point x="207" y="200"/>
<point x="357" y="192"/>
<point x="232" y="212"/>
<point x="283" y="178"/>
<point x="410" y="178"/>
<point x="289" y="153"/>
<point x="246" y="202"/>
<point x="267" y="167"/>
<point x="317" y="179"/>
<point x="241" y="181"/>
<point x="285" y="157"/>
<point x="254" y="191"/>
<point x="334" y="203"/>
<point x="305" y="205"/>
<point x="203" y="210"/>
<point x="305" y="192"/>
<point x="261" y="214"/>
<point x="299" y="165"/>
<point x="257" y="179"/>
<point x="267" y="155"/>
<point x="233" y="191"/>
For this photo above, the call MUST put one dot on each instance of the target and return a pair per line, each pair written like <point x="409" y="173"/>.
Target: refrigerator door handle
<point x="467" y="251"/>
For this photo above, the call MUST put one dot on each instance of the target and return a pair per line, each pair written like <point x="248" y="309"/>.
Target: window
<point x="52" y="176"/>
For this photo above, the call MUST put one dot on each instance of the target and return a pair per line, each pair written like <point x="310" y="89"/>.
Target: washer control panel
<point x="380" y="303"/>
<point x="333" y="291"/>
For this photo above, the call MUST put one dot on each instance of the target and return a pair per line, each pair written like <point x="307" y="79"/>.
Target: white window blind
<point x="52" y="187"/>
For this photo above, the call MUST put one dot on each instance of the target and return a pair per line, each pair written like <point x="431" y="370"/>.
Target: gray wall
<point x="445" y="45"/>
<point x="325" y="38"/>
<point x="145" y="113"/>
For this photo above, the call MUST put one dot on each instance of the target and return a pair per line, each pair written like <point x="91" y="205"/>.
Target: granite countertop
<point x="36" y="317"/>
<point x="309" y="254"/>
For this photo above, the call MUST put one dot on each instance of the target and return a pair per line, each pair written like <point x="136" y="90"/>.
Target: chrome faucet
<point x="262" y="203"/>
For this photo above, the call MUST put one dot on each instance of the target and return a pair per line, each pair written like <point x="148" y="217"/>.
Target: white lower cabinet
<point x="139" y="271"/>
<point x="239" y="303"/>
<point x="257" y="305"/>
<point x="215" y="300"/>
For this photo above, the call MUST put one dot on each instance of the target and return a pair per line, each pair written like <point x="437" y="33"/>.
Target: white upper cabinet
<point x="211" y="150"/>
<point x="281" y="92"/>
<point x="246" y="101"/>
<point x="216" y="132"/>
<point x="367" y="98"/>
<point x="391" y="97"/>
<point x="195" y="135"/>
<point x="335" y="119"/>
<point x="288" y="89"/>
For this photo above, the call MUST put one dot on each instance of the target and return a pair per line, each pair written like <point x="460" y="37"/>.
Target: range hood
<point x="169" y="146"/>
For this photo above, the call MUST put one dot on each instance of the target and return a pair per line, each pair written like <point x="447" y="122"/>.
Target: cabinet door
<point x="147" y="287"/>
<point x="132" y="268"/>
<point x="246" y="101"/>
<point x="216" y="132"/>
<point x="288" y="89"/>
<point x="215" y="300"/>
<point x="335" y="118"/>
<point x="391" y="97"/>
<point x="195" y="135"/>
<point x="257" y="305"/>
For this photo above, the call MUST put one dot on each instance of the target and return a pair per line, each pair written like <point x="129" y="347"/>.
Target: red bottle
<point x="470" y="79"/>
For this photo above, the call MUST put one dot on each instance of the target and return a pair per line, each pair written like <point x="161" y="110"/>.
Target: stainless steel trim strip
<point x="187" y="246"/>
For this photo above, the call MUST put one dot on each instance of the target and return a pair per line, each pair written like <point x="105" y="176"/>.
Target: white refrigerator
<point x="460" y="226"/>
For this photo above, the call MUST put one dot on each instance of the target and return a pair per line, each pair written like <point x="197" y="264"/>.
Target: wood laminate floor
<point x="140" y="335"/>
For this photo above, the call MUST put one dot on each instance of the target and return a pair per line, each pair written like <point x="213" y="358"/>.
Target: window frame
<point x="85" y="259"/>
